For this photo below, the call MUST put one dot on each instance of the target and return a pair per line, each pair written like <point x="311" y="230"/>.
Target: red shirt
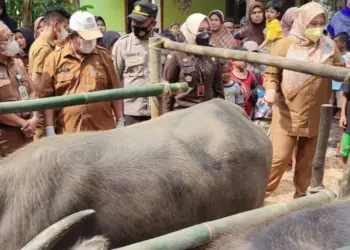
<point x="249" y="81"/>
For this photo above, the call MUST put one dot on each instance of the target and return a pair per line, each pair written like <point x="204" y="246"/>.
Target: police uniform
<point x="38" y="52"/>
<point x="203" y="75"/>
<point x="65" y="74"/>
<point x="131" y="62"/>
<point x="15" y="85"/>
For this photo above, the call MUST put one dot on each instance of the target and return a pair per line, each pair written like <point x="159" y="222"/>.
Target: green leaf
<point x="86" y="7"/>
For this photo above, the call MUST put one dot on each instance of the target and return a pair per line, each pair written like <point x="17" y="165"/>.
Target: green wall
<point x="172" y="14"/>
<point x="112" y="12"/>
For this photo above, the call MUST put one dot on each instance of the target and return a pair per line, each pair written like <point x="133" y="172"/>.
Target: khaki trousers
<point x="283" y="147"/>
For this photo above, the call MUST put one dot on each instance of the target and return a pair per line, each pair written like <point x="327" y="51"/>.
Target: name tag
<point x="23" y="92"/>
<point x="200" y="90"/>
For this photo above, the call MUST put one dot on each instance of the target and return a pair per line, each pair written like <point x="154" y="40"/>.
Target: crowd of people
<point x="67" y="54"/>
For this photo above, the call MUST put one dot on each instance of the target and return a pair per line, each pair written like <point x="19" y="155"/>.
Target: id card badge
<point x="200" y="90"/>
<point x="23" y="92"/>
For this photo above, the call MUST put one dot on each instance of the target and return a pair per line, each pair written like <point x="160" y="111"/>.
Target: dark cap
<point x="143" y="10"/>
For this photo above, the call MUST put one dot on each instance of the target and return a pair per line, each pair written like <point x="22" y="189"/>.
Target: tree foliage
<point x="38" y="8"/>
<point x="183" y="5"/>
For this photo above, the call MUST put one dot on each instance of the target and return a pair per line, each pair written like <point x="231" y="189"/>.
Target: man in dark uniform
<point x="131" y="59"/>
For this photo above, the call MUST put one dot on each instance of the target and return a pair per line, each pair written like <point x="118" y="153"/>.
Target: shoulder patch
<point x="3" y="76"/>
<point x="125" y="36"/>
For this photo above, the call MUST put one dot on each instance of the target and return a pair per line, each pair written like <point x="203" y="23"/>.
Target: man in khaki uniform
<point x="16" y="130"/>
<point x="131" y="58"/>
<point x="55" y="30"/>
<point x="80" y="67"/>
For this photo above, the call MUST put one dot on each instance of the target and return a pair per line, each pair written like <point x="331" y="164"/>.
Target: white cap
<point x="251" y="46"/>
<point x="85" y="25"/>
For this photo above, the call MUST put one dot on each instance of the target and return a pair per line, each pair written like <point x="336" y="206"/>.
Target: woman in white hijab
<point x="202" y="73"/>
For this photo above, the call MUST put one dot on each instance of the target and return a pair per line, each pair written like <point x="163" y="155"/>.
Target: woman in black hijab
<point x="5" y="18"/>
<point x="109" y="38"/>
<point x="101" y="24"/>
<point x="25" y="39"/>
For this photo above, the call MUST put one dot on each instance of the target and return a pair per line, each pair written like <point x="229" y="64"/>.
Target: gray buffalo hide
<point x="143" y="181"/>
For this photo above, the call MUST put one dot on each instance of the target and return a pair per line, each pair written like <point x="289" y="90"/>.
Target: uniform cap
<point x="143" y="10"/>
<point x="85" y="25"/>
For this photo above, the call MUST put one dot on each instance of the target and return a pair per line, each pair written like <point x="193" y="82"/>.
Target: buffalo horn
<point x="47" y="238"/>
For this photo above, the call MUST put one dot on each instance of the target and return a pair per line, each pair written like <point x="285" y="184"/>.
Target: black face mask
<point x="141" y="32"/>
<point x="203" y="38"/>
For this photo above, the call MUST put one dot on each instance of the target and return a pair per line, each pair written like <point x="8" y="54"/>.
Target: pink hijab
<point x="36" y="25"/>
<point x="304" y="49"/>
<point x="288" y="19"/>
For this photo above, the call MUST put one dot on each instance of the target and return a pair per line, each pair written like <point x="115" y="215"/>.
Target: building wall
<point x="172" y="14"/>
<point x="112" y="12"/>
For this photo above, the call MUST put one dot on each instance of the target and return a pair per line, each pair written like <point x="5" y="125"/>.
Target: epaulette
<point x="125" y="36"/>
<point x="102" y="48"/>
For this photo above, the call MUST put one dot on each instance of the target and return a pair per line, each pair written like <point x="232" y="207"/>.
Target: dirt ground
<point x="333" y="170"/>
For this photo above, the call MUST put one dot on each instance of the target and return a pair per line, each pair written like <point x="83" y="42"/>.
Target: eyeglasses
<point x="8" y="38"/>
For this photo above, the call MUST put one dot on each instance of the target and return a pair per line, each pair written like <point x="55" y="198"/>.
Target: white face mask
<point x="87" y="46"/>
<point x="61" y="36"/>
<point x="12" y="49"/>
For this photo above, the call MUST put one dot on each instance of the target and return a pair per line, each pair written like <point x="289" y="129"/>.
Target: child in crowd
<point x="273" y="30"/>
<point x="232" y="89"/>
<point x="257" y="69"/>
<point x="340" y="40"/>
<point x="247" y="81"/>
<point x="345" y="123"/>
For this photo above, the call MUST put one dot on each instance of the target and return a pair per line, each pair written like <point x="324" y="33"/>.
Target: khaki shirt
<point x="65" y="74"/>
<point x="300" y="115"/>
<point x="131" y="62"/>
<point x="13" y="75"/>
<point x="38" y="52"/>
<point x="9" y="83"/>
<point x="182" y="67"/>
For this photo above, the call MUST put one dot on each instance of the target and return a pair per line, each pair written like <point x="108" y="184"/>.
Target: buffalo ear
<point x="51" y="235"/>
<point x="95" y="243"/>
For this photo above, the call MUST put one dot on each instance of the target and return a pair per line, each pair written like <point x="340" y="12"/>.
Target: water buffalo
<point x="324" y="228"/>
<point x="143" y="181"/>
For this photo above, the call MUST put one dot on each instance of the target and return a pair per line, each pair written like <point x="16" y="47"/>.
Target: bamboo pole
<point x="344" y="190"/>
<point x="47" y="238"/>
<point x="203" y="233"/>
<point x="155" y="69"/>
<point x="337" y="73"/>
<point x="92" y="97"/>
<point x="321" y="149"/>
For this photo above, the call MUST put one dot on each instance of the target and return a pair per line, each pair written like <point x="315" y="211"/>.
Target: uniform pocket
<point x="134" y="67"/>
<point x="63" y="83"/>
<point x="190" y="75"/>
<point x="6" y="91"/>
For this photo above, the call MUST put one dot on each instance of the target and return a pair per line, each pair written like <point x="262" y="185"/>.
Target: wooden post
<point x="321" y="149"/>
<point x="344" y="190"/>
<point x="155" y="73"/>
